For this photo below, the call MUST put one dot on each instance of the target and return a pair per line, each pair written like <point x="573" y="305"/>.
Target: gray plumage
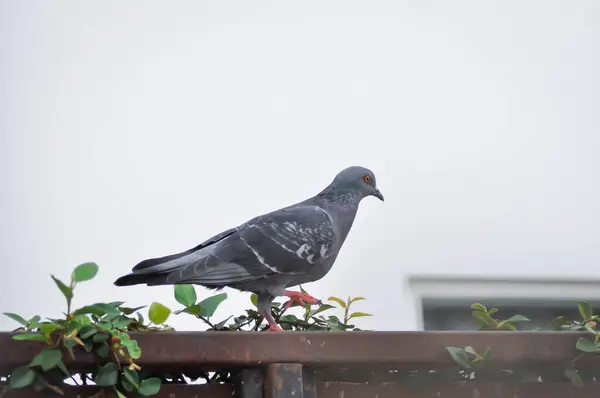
<point x="269" y="253"/>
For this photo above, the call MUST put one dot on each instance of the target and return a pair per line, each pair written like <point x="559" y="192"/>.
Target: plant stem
<point x="205" y="320"/>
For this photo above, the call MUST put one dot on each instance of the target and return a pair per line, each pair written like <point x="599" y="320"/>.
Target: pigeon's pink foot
<point x="299" y="298"/>
<point x="273" y="326"/>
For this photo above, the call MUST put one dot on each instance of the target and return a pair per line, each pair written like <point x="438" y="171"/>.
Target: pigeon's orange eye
<point x="367" y="179"/>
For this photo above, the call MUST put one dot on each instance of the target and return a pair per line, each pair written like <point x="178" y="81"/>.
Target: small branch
<point x="258" y="322"/>
<point x="205" y="320"/>
<point x="117" y="359"/>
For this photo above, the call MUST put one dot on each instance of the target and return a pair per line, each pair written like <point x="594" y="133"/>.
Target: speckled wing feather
<point x="292" y="240"/>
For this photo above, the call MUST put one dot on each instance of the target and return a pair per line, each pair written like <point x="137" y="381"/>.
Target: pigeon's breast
<point x="342" y="217"/>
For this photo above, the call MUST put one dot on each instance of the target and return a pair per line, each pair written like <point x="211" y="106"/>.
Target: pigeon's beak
<point x="378" y="194"/>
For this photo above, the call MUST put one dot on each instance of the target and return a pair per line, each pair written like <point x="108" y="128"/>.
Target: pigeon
<point x="269" y="253"/>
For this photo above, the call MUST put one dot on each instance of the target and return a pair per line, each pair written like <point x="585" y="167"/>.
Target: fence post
<point x="249" y="383"/>
<point x="284" y="380"/>
<point x="309" y="381"/>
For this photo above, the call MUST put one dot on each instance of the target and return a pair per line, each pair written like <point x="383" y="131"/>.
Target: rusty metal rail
<point x="346" y="364"/>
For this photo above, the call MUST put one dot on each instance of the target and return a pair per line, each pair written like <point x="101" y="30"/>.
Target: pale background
<point x="137" y="129"/>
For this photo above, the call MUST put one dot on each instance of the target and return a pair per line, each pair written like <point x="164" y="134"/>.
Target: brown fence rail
<point x="344" y="364"/>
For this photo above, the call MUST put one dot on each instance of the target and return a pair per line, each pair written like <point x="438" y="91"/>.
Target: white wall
<point x="137" y="129"/>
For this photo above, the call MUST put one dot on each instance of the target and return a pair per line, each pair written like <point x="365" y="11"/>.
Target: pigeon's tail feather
<point x="152" y="263"/>
<point x="132" y="279"/>
<point x="156" y="280"/>
<point x="155" y="271"/>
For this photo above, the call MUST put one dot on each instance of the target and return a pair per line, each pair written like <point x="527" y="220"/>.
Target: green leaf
<point x="107" y="375"/>
<point x="150" y="386"/>
<point x="129" y="311"/>
<point x="158" y="313"/>
<point x="63" y="368"/>
<point x="459" y="356"/>
<point x="322" y="308"/>
<point x="485" y="318"/>
<point x="73" y="325"/>
<point x="29" y="336"/>
<point x="574" y="376"/>
<point x="209" y="305"/>
<point x="82" y="319"/>
<point x="185" y="295"/>
<point x="479" y="307"/>
<point x="87" y="332"/>
<point x="106" y="326"/>
<point x="470" y="350"/>
<point x="133" y="348"/>
<point x="66" y="290"/>
<point x="98" y="309"/>
<point x="220" y="325"/>
<point x="21" y="377"/>
<point x="254" y="300"/>
<point x="103" y="350"/>
<point x="289" y="318"/>
<point x="358" y="315"/>
<point x="506" y="325"/>
<point x="127" y="386"/>
<point x="355" y="299"/>
<point x="334" y="323"/>
<point x="589" y="328"/>
<point x="34" y="322"/>
<point x="585" y="310"/>
<point x="586" y="345"/>
<point x="192" y="309"/>
<point x="560" y="321"/>
<point x="132" y="377"/>
<point x="121" y="322"/>
<point x="47" y="359"/>
<point x="341" y="302"/>
<point x="16" y="318"/>
<point x="84" y="272"/>
<point x="48" y="327"/>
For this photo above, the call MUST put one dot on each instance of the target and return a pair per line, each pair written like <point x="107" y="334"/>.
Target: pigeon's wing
<point x="288" y="241"/>
<point x="291" y="240"/>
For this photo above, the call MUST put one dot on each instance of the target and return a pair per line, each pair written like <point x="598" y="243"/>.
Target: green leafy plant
<point x="100" y="328"/>
<point x="313" y="318"/>
<point x="469" y="360"/>
<point x="589" y="323"/>
<point x="485" y="320"/>
<point x="103" y="329"/>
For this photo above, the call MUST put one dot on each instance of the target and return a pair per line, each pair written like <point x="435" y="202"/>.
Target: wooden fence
<point x="345" y="364"/>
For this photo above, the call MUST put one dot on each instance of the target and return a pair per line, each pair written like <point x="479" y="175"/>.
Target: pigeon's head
<point x="359" y="180"/>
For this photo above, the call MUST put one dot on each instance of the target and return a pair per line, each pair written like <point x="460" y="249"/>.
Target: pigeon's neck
<point x="342" y="206"/>
<point x="340" y="196"/>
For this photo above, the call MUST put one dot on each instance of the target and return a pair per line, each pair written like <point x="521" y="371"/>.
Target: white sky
<point x="137" y="129"/>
